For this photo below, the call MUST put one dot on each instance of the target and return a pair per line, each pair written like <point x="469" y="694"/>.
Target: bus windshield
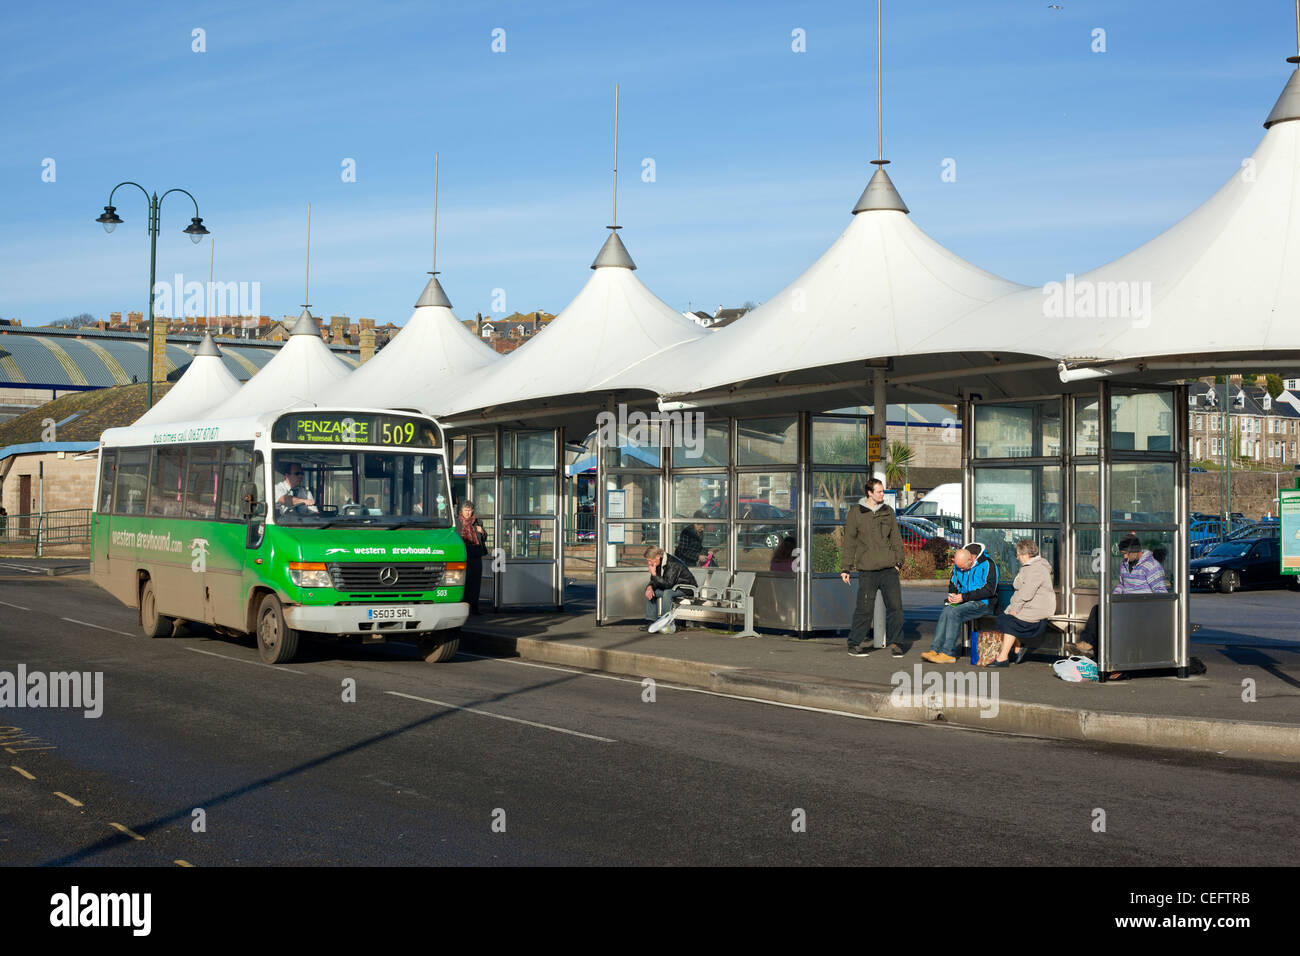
<point x="333" y="488"/>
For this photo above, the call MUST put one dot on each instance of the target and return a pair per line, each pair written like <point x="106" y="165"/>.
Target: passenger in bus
<point x="292" y="494"/>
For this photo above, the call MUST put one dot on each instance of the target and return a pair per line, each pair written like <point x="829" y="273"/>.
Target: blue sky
<point x="1065" y="158"/>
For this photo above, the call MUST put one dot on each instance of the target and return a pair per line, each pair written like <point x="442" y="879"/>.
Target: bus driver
<point x="292" y="493"/>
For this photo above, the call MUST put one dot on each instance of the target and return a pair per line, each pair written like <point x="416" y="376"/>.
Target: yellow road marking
<point x="64" y="796"/>
<point x="183" y="863"/>
<point x="22" y="771"/>
<point x="131" y="833"/>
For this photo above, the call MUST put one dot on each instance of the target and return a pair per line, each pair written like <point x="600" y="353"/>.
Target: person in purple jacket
<point x="1138" y="573"/>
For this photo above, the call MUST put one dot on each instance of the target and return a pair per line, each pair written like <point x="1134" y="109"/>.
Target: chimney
<point x="115" y="318"/>
<point x="366" y="323"/>
<point x="367" y="341"/>
<point x="160" y="352"/>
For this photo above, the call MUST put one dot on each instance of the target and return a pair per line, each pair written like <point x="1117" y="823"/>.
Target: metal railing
<point x="48" y="529"/>
<point x="581" y="529"/>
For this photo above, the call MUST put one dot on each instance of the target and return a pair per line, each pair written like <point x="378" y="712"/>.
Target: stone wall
<point x="1254" y="493"/>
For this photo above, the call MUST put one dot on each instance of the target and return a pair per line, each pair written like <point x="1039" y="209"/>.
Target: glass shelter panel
<point x="1143" y="492"/>
<point x="1030" y="494"/>
<point x="529" y="451"/>
<point x="696" y="446"/>
<point x="767" y="441"/>
<point x="1142" y="421"/>
<point x="839" y="441"/>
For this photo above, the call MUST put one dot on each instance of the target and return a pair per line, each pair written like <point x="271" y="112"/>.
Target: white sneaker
<point x="663" y="622"/>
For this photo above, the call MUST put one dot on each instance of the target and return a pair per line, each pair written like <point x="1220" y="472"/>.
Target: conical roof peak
<point x="880" y="194"/>
<point x="306" y="324"/>
<point x="613" y="253"/>
<point x="1287" y="106"/>
<point x="207" y="347"/>
<point x="433" y="294"/>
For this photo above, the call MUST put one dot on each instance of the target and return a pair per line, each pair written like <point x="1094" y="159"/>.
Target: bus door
<point x="243" y="528"/>
<point x="100" y="557"/>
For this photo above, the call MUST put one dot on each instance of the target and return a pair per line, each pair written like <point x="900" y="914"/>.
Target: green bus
<point x="317" y="521"/>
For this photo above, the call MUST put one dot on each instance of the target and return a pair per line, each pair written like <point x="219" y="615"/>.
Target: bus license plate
<point x="391" y="613"/>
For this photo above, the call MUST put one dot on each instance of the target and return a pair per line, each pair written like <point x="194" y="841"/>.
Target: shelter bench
<point x="717" y="596"/>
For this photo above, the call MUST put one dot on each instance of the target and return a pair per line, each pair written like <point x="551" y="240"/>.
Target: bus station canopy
<point x="613" y="322"/>
<point x="206" y="383"/>
<point x="425" y="364"/>
<point x="1221" y="286"/>
<point x="884" y="293"/>
<point x="303" y="372"/>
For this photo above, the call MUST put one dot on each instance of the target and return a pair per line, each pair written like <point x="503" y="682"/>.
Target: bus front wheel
<point x="277" y="643"/>
<point x="435" y="651"/>
<point x="154" y="624"/>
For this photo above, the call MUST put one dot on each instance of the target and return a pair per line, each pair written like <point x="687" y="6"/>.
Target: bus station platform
<point x="1243" y="706"/>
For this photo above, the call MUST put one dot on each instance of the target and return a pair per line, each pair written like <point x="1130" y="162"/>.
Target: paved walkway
<point x="1208" y="713"/>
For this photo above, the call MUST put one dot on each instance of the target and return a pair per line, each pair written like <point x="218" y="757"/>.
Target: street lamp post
<point x="196" y="231"/>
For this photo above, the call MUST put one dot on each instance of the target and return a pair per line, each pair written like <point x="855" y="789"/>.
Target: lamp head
<point x="110" y="219"/>
<point x="196" y="230"/>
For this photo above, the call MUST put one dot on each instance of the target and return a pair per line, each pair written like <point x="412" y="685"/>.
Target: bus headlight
<point x="454" y="574"/>
<point x="308" y="575"/>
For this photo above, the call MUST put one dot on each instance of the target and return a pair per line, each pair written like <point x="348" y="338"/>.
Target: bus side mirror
<point x="252" y="507"/>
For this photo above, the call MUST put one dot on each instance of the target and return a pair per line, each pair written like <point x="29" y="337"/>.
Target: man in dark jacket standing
<point x="873" y="546"/>
<point x="666" y="574"/>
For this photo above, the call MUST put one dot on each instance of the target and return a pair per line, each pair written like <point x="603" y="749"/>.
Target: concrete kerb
<point x="1230" y="738"/>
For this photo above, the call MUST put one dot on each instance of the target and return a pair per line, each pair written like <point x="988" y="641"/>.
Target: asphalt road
<point x="493" y="761"/>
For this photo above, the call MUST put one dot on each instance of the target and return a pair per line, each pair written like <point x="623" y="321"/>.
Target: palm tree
<point x="900" y="456"/>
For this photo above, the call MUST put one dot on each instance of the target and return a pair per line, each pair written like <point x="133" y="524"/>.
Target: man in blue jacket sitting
<point x="972" y="593"/>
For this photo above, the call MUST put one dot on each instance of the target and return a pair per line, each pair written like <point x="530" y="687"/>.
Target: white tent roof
<point x="613" y="322"/>
<point x="1224" y="280"/>
<point x="425" y="364"/>
<point x="207" y="382"/>
<point x="303" y="372"/>
<point x="884" y="288"/>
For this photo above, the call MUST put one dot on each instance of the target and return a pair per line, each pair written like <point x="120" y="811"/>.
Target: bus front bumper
<point x="375" y="620"/>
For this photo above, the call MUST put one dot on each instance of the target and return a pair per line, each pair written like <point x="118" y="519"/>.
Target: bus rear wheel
<point x="153" y="623"/>
<point x="436" y="651"/>
<point x="277" y="643"/>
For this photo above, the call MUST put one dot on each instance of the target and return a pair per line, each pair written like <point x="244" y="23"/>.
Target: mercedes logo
<point x="388" y="576"/>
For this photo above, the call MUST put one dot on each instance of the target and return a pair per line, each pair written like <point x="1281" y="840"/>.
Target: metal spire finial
<point x="614" y="213"/>
<point x="434" y="266"/>
<point x="306" y="287"/>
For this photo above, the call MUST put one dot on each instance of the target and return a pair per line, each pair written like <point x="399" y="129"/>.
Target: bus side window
<point x="201" y="482"/>
<point x="132" y="481"/>
<point x="165" y="493"/>
<point x="236" y="473"/>
<point x="107" y="476"/>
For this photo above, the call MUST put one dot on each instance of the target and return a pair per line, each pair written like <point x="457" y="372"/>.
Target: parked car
<point x="1245" y="562"/>
<point x="1200" y="545"/>
<point x="777" y="523"/>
